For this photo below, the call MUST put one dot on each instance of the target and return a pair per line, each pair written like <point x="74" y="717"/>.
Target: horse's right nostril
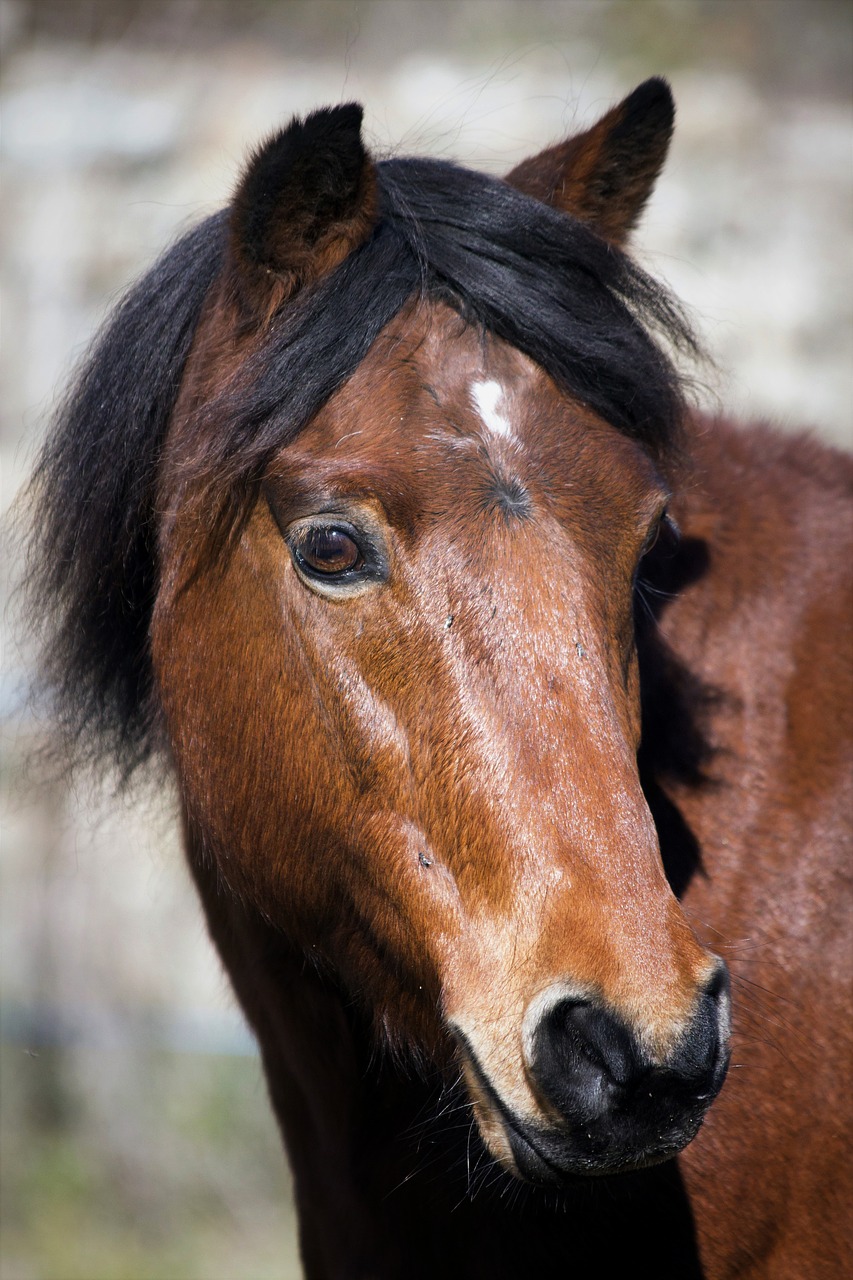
<point x="582" y="1057"/>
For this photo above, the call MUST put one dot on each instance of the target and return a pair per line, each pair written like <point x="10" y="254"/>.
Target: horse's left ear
<point x="307" y="198"/>
<point x="605" y="176"/>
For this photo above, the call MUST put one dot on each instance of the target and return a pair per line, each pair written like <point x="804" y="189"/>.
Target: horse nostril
<point x="702" y="1053"/>
<point x="591" y="1067"/>
<point x="581" y="1056"/>
<point x="718" y="983"/>
<point x="613" y="1105"/>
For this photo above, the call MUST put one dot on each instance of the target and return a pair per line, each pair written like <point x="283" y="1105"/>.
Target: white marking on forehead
<point x="487" y="396"/>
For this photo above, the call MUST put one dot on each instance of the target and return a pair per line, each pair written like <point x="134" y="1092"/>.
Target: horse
<point x="505" y="697"/>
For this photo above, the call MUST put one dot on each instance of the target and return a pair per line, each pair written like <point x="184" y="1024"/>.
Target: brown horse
<point x="493" y="681"/>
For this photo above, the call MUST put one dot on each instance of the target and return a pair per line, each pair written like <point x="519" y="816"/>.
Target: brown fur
<point x="771" y="1171"/>
<point x="416" y="808"/>
<point x="275" y="700"/>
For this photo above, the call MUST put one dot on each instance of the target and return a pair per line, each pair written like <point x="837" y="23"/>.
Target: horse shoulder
<point x="768" y="627"/>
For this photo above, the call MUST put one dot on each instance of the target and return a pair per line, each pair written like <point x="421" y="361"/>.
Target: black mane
<point x="539" y="279"/>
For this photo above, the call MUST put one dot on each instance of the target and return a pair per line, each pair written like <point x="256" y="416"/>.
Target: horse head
<point x="422" y="442"/>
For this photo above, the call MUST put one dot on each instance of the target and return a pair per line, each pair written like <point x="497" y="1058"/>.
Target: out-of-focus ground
<point x="136" y="1139"/>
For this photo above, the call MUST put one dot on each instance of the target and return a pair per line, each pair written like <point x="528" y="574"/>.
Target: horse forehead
<point x="433" y="377"/>
<point x="442" y="414"/>
<point x="483" y="386"/>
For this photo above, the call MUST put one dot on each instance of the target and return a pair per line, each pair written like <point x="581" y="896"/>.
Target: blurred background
<point x="136" y="1140"/>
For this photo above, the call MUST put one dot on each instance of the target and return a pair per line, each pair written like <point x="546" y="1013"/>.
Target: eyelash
<point x="663" y="524"/>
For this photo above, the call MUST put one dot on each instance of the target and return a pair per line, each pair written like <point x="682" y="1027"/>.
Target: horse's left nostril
<point x="701" y="1055"/>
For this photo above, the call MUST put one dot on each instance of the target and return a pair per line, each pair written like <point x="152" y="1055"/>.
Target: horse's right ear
<point x="307" y="198"/>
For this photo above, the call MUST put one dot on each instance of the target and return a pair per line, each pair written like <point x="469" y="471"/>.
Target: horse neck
<point x="340" y="1108"/>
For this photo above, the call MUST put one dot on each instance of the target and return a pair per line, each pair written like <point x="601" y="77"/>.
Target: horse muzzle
<point x="604" y="1106"/>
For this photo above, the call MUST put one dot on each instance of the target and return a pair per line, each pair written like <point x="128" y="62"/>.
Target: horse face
<point x="405" y="717"/>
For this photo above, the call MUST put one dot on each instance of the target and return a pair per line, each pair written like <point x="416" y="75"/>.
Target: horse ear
<point x="307" y="198"/>
<point x="605" y="176"/>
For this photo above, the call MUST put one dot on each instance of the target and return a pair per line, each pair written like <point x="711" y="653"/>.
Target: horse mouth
<point x="556" y="1154"/>
<point x="548" y="1158"/>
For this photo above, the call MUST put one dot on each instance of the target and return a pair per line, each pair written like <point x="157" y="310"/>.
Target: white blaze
<point x="486" y="396"/>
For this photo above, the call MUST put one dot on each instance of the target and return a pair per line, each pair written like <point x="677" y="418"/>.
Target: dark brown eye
<point x="327" y="550"/>
<point x="335" y="558"/>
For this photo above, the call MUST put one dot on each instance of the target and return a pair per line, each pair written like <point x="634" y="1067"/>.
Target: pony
<point x="505" y="698"/>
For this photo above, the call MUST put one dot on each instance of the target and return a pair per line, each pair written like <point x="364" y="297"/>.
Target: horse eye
<point x="327" y="550"/>
<point x="652" y="537"/>
<point x="663" y="525"/>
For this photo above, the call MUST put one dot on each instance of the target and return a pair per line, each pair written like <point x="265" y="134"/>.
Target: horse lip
<point x="550" y="1169"/>
<point x="520" y="1142"/>
<point x="532" y="1164"/>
